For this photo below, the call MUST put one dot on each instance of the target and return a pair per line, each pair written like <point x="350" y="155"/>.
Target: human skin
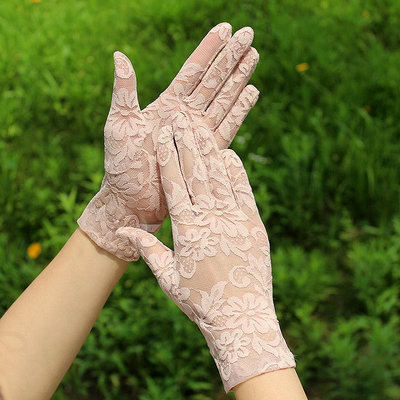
<point x="43" y="330"/>
<point x="282" y="384"/>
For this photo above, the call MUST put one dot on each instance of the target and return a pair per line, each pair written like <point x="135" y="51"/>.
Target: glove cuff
<point x="101" y="219"/>
<point x="240" y="356"/>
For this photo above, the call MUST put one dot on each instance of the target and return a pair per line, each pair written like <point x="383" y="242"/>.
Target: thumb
<point x="124" y="120"/>
<point x="125" y="78"/>
<point x="160" y="260"/>
<point x="148" y="246"/>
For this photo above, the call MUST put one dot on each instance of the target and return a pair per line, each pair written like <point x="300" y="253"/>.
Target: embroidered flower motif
<point x="198" y="244"/>
<point x="111" y="205"/>
<point x="124" y="119"/>
<point x="251" y="313"/>
<point x="221" y="217"/>
<point x="163" y="269"/>
<point x="232" y="345"/>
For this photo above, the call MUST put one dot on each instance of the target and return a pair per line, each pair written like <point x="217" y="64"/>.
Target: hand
<point x="210" y="88"/>
<point x="219" y="273"/>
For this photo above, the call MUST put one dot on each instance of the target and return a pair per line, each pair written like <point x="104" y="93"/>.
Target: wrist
<point x="281" y="384"/>
<point x="101" y="219"/>
<point x="241" y="355"/>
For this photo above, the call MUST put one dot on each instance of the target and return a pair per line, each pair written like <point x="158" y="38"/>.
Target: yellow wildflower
<point x="36" y="1"/>
<point x="34" y="250"/>
<point x="302" y="67"/>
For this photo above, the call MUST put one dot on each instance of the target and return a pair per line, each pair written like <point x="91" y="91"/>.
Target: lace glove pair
<point x="210" y="88"/>
<point x="219" y="273"/>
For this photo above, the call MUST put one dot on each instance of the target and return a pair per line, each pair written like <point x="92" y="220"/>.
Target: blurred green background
<point x="321" y="148"/>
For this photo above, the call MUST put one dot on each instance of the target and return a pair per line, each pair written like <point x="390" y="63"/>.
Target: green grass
<point x="322" y="151"/>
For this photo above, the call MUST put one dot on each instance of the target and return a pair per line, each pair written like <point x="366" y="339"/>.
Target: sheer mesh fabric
<point x="219" y="273"/>
<point x="210" y="88"/>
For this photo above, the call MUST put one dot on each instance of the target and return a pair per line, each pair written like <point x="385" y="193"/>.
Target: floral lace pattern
<point x="210" y="88"/>
<point x="219" y="273"/>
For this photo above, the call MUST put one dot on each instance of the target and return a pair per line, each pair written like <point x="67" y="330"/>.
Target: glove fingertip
<point x="181" y="121"/>
<point x="123" y="66"/>
<point x="128" y="233"/>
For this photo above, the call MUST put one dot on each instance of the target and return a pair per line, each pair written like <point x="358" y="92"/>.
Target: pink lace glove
<point x="219" y="273"/>
<point x="210" y="88"/>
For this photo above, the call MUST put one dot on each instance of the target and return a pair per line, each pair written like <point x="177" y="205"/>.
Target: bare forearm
<point x="283" y="384"/>
<point x="44" y="329"/>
